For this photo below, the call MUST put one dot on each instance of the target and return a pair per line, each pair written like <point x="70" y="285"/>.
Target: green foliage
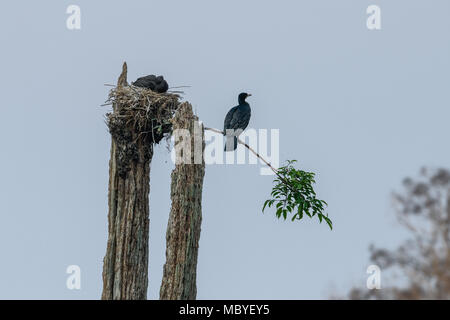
<point x="294" y="193"/>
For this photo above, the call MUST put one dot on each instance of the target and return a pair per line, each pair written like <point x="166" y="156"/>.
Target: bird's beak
<point x="249" y="94"/>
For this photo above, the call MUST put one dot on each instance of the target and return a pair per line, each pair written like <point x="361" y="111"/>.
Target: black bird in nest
<point x="236" y="121"/>
<point x="152" y="82"/>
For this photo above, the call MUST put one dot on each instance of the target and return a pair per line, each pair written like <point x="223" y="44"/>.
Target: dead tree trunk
<point x="125" y="269"/>
<point x="183" y="230"/>
<point x="125" y="266"/>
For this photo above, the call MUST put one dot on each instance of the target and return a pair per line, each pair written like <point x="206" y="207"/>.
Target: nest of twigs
<point x="142" y="112"/>
<point x="140" y="118"/>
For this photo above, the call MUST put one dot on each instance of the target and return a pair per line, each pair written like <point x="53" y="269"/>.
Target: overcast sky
<point x="363" y="109"/>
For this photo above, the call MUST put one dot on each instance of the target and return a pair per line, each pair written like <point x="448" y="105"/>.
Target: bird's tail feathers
<point x="230" y="144"/>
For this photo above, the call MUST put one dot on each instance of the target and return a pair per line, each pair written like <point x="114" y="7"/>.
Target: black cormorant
<point x="152" y="82"/>
<point x="237" y="120"/>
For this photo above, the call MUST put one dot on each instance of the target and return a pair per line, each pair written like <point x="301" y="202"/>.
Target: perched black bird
<point x="153" y="83"/>
<point x="237" y="119"/>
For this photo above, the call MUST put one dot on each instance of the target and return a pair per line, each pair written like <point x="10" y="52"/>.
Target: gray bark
<point x="183" y="230"/>
<point x="125" y="266"/>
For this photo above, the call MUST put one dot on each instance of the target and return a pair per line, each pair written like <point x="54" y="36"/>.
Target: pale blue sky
<point x="362" y="109"/>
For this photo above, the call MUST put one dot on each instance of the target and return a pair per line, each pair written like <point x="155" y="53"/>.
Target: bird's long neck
<point x="241" y="101"/>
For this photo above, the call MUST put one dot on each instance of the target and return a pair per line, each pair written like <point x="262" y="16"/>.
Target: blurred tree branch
<point x="423" y="208"/>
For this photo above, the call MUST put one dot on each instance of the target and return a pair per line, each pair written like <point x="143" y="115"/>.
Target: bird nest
<point x="141" y="113"/>
<point x="139" y="119"/>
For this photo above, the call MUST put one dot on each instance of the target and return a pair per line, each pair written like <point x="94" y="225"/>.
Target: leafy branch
<point x="293" y="192"/>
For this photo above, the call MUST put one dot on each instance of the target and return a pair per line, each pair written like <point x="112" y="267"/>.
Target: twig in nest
<point x="179" y="87"/>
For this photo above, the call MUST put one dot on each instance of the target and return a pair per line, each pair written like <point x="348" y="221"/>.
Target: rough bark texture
<point x="183" y="230"/>
<point x="125" y="266"/>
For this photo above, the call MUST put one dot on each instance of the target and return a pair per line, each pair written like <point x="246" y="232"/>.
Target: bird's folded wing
<point x="227" y="124"/>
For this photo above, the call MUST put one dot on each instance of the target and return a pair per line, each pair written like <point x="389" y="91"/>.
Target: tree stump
<point x="183" y="230"/>
<point x="140" y="118"/>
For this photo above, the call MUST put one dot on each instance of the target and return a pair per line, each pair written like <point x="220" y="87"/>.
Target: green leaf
<point x="279" y="210"/>
<point x="293" y="192"/>
<point x="328" y="221"/>
<point x="265" y="204"/>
